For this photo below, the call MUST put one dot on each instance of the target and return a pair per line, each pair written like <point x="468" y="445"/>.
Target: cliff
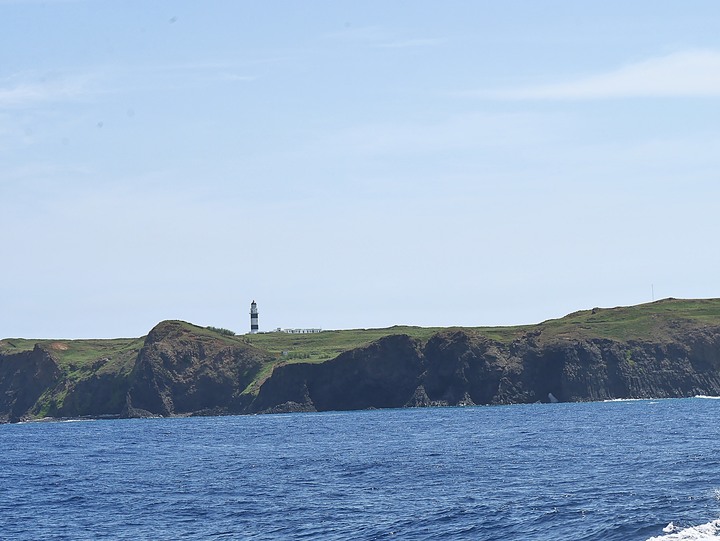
<point x="462" y="368"/>
<point x="380" y="375"/>
<point x="24" y="377"/>
<point x="666" y="349"/>
<point x="181" y="370"/>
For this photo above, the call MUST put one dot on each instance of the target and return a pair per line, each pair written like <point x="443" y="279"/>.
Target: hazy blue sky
<point x="353" y="164"/>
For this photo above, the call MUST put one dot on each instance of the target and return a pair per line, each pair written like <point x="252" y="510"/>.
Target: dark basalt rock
<point x="457" y="368"/>
<point x="185" y="370"/>
<point x="462" y="369"/>
<point x="384" y="374"/>
<point x="96" y="395"/>
<point x="24" y="377"/>
<point x="181" y="372"/>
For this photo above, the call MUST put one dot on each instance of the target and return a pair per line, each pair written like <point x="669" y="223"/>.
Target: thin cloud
<point x="211" y="65"/>
<point x="190" y="73"/>
<point x="403" y="44"/>
<point x="379" y="37"/>
<point x="25" y="2"/>
<point x="23" y="90"/>
<point x="37" y="172"/>
<point x="682" y="74"/>
<point x="31" y="89"/>
<point x="496" y="132"/>
<point x="236" y="77"/>
<point x="362" y="33"/>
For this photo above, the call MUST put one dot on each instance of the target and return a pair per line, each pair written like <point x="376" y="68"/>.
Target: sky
<point x="353" y="164"/>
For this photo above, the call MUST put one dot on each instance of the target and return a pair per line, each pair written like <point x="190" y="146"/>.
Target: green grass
<point x="77" y="356"/>
<point x="658" y="321"/>
<point x="319" y="347"/>
<point x="653" y="321"/>
<point x="17" y="345"/>
<point x="183" y="328"/>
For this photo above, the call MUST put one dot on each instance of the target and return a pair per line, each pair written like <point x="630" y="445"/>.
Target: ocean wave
<point x="630" y="400"/>
<point x="704" y="532"/>
<point x="655" y="400"/>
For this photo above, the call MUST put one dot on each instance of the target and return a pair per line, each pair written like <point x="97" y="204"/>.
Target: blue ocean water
<point x="593" y="471"/>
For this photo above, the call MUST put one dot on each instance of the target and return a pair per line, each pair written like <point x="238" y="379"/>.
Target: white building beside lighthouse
<point x="255" y="327"/>
<point x="253" y="318"/>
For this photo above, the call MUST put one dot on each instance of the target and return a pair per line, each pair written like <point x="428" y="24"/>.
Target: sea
<point x="621" y="470"/>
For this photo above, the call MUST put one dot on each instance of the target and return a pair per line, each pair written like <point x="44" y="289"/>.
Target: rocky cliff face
<point x="186" y="370"/>
<point x="180" y="372"/>
<point x="463" y="368"/>
<point x="24" y="377"/>
<point x="97" y="394"/>
<point x="382" y="375"/>
<point x="32" y="384"/>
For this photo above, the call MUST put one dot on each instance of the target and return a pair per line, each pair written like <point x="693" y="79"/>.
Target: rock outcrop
<point x="384" y="374"/>
<point x="463" y="368"/>
<point x="24" y="378"/>
<point x="97" y="394"/>
<point x="179" y="371"/>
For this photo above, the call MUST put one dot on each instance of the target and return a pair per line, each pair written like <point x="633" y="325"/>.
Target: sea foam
<point x="704" y="532"/>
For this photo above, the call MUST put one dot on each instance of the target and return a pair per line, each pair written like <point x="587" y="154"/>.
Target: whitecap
<point x="627" y="400"/>
<point x="704" y="532"/>
<point x="708" y="397"/>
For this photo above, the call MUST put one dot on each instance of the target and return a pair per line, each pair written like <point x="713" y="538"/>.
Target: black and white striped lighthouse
<point x="253" y="318"/>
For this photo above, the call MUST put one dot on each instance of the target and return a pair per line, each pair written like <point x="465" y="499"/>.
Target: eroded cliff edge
<point x="461" y="368"/>
<point x="180" y="371"/>
<point x="665" y="349"/>
<point x="24" y="378"/>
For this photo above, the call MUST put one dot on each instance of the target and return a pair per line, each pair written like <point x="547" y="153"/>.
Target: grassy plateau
<point x="658" y="321"/>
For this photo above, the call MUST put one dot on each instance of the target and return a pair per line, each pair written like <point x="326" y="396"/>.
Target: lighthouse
<point x="253" y="318"/>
